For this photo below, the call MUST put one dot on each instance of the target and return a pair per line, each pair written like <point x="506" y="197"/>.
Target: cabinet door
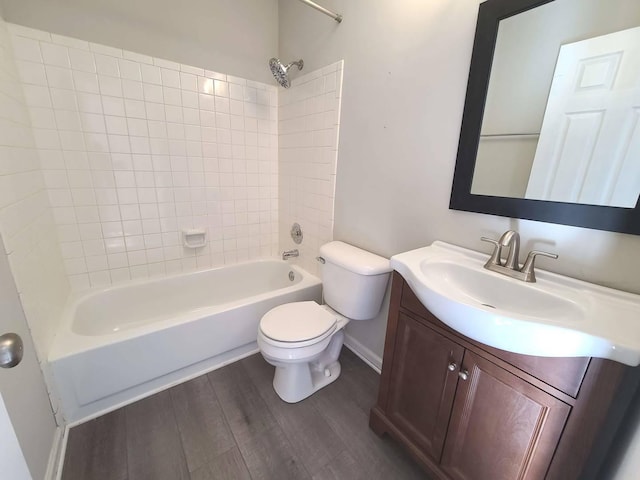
<point x="422" y="387"/>
<point x="502" y="428"/>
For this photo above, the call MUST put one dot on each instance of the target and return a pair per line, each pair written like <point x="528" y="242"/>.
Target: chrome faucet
<point x="511" y="266"/>
<point x="290" y="253"/>
<point x="511" y="239"/>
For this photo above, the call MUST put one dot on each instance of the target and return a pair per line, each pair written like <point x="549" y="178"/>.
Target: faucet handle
<point x="528" y="269"/>
<point x="495" y="256"/>
<point x="490" y="240"/>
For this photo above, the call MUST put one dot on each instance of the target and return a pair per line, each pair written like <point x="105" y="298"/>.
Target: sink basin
<point x="555" y="317"/>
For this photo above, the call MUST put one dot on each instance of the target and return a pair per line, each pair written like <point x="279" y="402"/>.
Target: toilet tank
<point x="354" y="281"/>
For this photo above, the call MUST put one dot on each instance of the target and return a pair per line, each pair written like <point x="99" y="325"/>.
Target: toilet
<point x="303" y="339"/>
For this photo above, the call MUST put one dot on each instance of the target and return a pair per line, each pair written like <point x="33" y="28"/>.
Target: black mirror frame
<point x="614" y="219"/>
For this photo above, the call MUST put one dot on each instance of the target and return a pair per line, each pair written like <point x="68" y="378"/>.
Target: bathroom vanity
<point x="465" y="410"/>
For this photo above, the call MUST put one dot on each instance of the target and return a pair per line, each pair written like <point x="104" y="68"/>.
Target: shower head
<point x="280" y="71"/>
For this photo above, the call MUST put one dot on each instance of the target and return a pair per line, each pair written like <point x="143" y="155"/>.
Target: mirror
<point x="551" y="126"/>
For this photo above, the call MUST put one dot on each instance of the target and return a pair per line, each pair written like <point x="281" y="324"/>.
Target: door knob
<point x="11" y="350"/>
<point x="452" y="367"/>
<point x="464" y="374"/>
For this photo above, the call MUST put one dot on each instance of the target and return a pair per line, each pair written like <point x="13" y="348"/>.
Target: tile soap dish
<point x="194" y="237"/>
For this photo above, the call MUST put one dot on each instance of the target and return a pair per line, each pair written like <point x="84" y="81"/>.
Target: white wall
<point x="134" y="149"/>
<point x="405" y="74"/>
<point x="309" y="121"/>
<point x="26" y="222"/>
<point x="232" y="36"/>
<point x="629" y="465"/>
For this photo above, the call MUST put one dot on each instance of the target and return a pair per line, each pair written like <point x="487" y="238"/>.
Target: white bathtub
<point x="122" y="343"/>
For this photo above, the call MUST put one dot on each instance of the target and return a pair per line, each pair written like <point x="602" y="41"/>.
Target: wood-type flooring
<point x="230" y="424"/>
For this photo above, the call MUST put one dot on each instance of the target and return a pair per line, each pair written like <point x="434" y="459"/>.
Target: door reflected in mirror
<point x="562" y="115"/>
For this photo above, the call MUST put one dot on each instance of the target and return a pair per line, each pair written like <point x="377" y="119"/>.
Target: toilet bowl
<point x="303" y="339"/>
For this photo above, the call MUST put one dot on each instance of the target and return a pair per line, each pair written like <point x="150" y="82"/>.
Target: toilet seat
<point x="298" y="324"/>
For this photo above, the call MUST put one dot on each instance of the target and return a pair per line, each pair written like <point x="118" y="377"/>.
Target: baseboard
<point x="56" y="456"/>
<point x="365" y="354"/>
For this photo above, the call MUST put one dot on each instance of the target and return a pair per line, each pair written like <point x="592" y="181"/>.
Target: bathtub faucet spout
<point x="290" y="253"/>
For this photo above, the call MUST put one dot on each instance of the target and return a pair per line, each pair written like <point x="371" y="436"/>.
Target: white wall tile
<point x="92" y="122"/>
<point x="137" y="148"/>
<point x="110" y="86"/>
<point x="170" y="78"/>
<point x="56" y="55"/>
<point x="82" y="60"/>
<point x="31" y="72"/>
<point x="107" y="65"/>
<point x="71" y="141"/>
<point x="113" y="106"/>
<point x="63" y="99"/>
<point x="26" y="49"/>
<point x="155" y="111"/>
<point x="37" y="96"/>
<point x="85" y="82"/>
<point x="42" y="117"/>
<point x="138" y="126"/>
<point x="307" y="152"/>
<point x="152" y="93"/>
<point x="172" y="96"/>
<point x="27" y="226"/>
<point x="89" y="102"/>
<point x="116" y="125"/>
<point x="189" y="81"/>
<point x="151" y="74"/>
<point x="67" y="120"/>
<point x="130" y="70"/>
<point x="135" y="108"/>
<point x="99" y="279"/>
<point x="96" y="263"/>
<point x="132" y="89"/>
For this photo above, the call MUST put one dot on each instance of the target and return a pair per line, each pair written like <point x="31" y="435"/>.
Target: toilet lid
<point x="297" y="322"/>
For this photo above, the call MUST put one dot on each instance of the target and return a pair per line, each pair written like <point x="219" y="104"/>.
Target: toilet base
<point x="296" y="381"/>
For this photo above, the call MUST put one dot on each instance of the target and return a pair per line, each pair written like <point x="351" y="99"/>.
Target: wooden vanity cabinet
<point x="467" y="411"/>
<point x="501" y="426"/>
<point x="422" y="387"/>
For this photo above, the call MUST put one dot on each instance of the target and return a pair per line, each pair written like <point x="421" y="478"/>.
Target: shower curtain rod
<point x="336" y="16"/>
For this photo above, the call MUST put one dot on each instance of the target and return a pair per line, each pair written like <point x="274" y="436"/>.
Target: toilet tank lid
<point x="354" y="259"/>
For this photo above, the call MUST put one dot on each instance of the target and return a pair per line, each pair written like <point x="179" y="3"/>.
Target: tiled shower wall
<point x="26" y="224"/>
<point x="309" y="120"/>
<point x="135" y="149"/>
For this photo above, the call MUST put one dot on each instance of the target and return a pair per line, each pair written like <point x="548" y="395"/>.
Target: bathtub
<point x="122" y="343"/>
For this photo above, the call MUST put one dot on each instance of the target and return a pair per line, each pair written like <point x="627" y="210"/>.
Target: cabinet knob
<point x="452" y="367"/>
<point x="464" y="374"/>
